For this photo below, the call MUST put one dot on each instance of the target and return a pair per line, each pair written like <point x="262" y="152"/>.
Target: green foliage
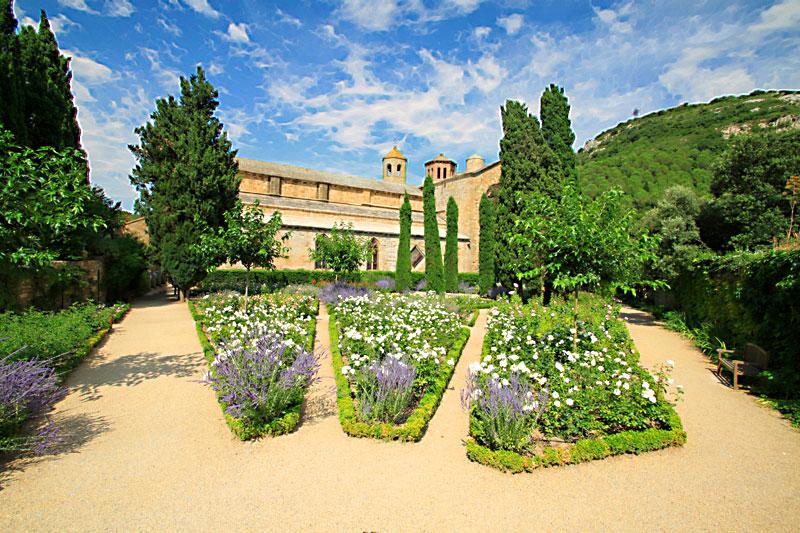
<point x="63" y="337"/>
<point x="486" y="245"/>
<point x="679" y="146"/>
<point x="35" y="80"/>
<point x="528" y="167"/>
<point x="579" y="242"/>
<point x="557" y="128"/>
<point x="748" y="208"/>
<point x="673" y="221"/>
<point x="434" y="269"/>
<point x="451" y="248"/>
<point x="246" y="239"/>
<point x="43" y="200"/>
<point x="341" y="251"/>
<point x="125" y="263"/>
<point x="186" y="175"/>
<point x="403" y="265"/>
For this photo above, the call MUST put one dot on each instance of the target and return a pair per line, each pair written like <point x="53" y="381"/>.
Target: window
<point x="319" y="265"/>
<point x="322" y="191"/>
<point x="372" y="260"/>
<point x="398" y="169"/>
<point x="416" y="256"/>
<point x="275" y="185"/>
<point x="438" y="173"/>
<point x="388" y="169"/>
<point x="444" y="172"/>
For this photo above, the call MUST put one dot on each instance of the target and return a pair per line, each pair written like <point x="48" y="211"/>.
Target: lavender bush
<point x="384" y="391"/>
<point x="335" y="292"/>
<point x="422" y="285"/>
<point x="466" y="288"/>
<point x="27" y="389"/>
<point x="260" y="383"/>
<point x="386" y="284"/>
<point x="504" y="411"/>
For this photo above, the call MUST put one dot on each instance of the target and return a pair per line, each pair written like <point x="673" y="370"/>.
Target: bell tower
<point x="394" y="166"/>
<point x="440" y="168"/>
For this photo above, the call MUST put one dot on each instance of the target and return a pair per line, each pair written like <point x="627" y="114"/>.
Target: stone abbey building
<point x="312" y="201"/>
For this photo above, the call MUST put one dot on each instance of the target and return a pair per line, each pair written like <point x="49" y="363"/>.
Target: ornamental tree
<point x="186" y="175"/>
<point x="486" y="245"/>
<point x="44" y="198"/>
<point x="434" y="270"/>
<point x="451" y="248"/>
<point x="248" y="239"/>
<point x="403" y="266"/>
<point x="341" y="251"/>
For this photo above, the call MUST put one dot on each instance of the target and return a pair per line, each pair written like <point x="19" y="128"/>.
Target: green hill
<point x="646" y="155"/>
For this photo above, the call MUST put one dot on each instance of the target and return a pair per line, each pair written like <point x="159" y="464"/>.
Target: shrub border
<point x="624" y="442"/>
<point x="413" y="429"/>
<point x="86" y="347"/>
<point x="242" y="428"/>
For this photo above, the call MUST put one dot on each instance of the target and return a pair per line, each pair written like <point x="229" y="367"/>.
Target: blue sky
<point x="333" y="85"/>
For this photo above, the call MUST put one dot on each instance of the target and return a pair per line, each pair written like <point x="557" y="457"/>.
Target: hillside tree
<point x="186" y="175"/>
<point x="451" y="248"/>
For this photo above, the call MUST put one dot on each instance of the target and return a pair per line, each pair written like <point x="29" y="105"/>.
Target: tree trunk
<point x="547" y="292"/>
<point x="246" y="288"/>
<point x="575" y="310"/>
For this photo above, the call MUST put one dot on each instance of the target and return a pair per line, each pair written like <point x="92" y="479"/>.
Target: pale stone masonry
<point x="312" y="201"/>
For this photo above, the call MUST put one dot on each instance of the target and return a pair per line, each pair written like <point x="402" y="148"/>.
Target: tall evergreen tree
<point x="486" y="245"/>
<point x="186" y="172"/>
<point x="451" y="248"/>
<point x="434" y="270"/>
<point x="11" y="112"/>
<point x="557" y="128"/>
<point x="402" y="275"/>
<point x="528" y="166"/>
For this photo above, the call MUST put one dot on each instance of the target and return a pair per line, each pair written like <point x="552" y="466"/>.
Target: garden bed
<point x="223" y="325"/>
<point x="385" y="337"/>
<point x="552" y="390"/>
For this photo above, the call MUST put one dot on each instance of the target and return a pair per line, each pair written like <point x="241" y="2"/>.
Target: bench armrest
<point x="721" y="351"/>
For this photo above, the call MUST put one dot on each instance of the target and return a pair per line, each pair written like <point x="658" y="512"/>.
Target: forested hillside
<point x="678" y="146"/>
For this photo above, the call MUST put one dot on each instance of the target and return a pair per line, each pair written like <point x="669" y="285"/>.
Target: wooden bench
<point x="750" y="362"/>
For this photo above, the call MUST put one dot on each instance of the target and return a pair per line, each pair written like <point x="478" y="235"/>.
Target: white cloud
<point x="203" y="7"/>
<point x="79" y="5"/>
<point x="61" y="24"/>
<point x="481" y="32"/>
<point x="287" y="18"/>
<point x="781" y="16"/>
<point x="167" y="77"/>
<point x="174" y="29"/>
<point x="216" y="68"/>
<point x="88" y="71"/>
<point x="372" y="15"/>
<point x="511" y="23"/>
<point x="237" y="33"/>
<point x="118" y="8"/>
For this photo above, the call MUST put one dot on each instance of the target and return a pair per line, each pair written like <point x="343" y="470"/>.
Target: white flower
<point x="559" y="367"/>
<point x="617" y="392"/>
<point x="555" y="394"/>
<point x="670" y="363"/>
<point x="557" y="403"/>
<point x="451" y="362"/>
<point x="570" y="401"/>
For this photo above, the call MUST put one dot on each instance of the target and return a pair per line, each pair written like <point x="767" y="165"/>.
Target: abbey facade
<point x="312" y="201"/>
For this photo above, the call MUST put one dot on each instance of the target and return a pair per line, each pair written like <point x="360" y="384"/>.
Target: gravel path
<point x="150" y="451"/>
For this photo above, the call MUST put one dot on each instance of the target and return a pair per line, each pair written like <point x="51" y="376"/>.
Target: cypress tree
<point x="557" y="128"/>
<point x="402" y="275"/>
<point x="186" y="175"/>
<point x="486" y="245"/>
<point x="451" y="248"/>
<point x="528" y="166"/>
<point x="11" y="110"/>
<point x="434" y="274"/>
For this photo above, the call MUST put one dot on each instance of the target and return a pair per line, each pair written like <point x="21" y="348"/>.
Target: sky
<point x="333" y="85"/>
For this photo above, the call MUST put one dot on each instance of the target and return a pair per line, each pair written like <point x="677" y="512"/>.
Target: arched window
<point x="439" y="173"/>
<point x="388" y="169"/>
<point x="372" y="260"/>
<point x="398" y="169"/>
<point x="444" y="172"/>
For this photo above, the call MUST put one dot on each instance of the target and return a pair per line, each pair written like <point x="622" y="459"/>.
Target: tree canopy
<point x="434" y="269"/>
<point x="341" y="251"/>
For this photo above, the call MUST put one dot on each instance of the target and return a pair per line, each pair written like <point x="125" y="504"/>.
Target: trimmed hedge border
<point x="88" y="345"/>
<point x="634" y="442"/>
<point x="244" y="429"/>
<point x="413" y="429"/>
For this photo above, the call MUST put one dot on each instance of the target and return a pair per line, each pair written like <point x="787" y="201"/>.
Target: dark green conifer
<point x="486" y="245"/>
<point x="403" y="267"/>
<point x="557" y="128"/>
<point x="451" y="248"/>
<point x="434" y="274"/>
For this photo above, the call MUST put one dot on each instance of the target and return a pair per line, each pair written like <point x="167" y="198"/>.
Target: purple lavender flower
<point x="261" y="383"/>
<point x="28" y="389"/>
<point x="335" y="292"/>
<point x="422" y="285"/>
<point x="384" y="391"/>
<point x="466" y="288"/>
<point x="385" y="284"/>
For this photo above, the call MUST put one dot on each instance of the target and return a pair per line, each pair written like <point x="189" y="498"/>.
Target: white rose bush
<point x="394" y="355"/>
<point x="545" y="383"/>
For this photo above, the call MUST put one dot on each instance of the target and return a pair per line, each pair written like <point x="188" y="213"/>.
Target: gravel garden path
<point x="149" y="450"/>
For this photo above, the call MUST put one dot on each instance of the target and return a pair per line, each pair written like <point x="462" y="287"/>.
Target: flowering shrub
<point x="414" y="331"/>
<point x="27" y="388"/>
<point x="262" y="358"/>
<point x="261" y="382"/>
<point x="334" y="292"/>
<point x="589" y="379"/>
<point x="385" y="284"/>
